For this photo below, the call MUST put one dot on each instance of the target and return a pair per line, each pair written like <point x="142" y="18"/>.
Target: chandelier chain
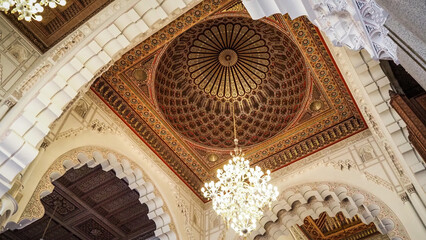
<point x="233" y="118"/>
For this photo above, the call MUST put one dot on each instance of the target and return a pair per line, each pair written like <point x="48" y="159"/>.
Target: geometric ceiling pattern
<point x="337" y="227"/>
<point x="57" y="22"/>
<point x="264" y="82"/>
<point x="89" y="203"/>
<point x="177" y="91"/>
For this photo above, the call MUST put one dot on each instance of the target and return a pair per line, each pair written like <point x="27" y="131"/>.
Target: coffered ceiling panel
<point x="337" y="227"/>
<point x="178" y="90"/>
<point x="89" y="203"/>
<point x="58" y="22"/>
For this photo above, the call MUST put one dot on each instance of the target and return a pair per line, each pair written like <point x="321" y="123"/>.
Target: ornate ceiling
<point x="58" y="22"/>
<point x="337" y="227"/>
<point x="90" y="204"/>
<point x="228" y="63"/>
<point x="176" y="91"/>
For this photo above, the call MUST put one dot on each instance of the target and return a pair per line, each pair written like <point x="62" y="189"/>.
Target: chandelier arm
<point x="242" y="192"/>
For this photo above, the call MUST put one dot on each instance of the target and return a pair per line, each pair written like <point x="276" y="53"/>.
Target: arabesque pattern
<point x="264" y="80"/>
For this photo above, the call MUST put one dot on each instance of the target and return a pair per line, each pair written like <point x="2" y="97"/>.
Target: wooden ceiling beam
<point x="112" y="199"/>
<point x="79" y="4"/>
<point x="139" y="215"/>
<point x="10" y="235"/>
<point x="64" y="225"/>
<point x="54" y="229"/>
<point x="86" y="195"/>
<point x="141" y="231"/>
<point x="58" y="15"/>
<point x="79" y="180"/>
<point x="89" y="209"/>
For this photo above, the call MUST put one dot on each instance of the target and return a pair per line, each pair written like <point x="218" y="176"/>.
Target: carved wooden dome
<point x="228" y="60"/>
<point x="224" y="61"/>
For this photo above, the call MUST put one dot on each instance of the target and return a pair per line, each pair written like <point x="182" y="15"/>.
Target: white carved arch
<point x="123" y="168"/>
<point x="299" y="202"/>
<point x="68" y="69"/>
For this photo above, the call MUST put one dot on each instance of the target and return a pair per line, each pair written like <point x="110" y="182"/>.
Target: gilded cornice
<point x="313" y="131"/>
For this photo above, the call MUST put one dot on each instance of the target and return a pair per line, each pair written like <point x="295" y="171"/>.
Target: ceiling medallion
<point x="228" y="60"/>
<point x="29" y="9"/>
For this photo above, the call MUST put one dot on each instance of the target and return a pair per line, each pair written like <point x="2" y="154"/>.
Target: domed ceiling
<point x="230" y="64"/>
<point x="178" y="89"/>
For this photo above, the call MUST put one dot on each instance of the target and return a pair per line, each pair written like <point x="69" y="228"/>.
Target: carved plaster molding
<point x="137" y="144"/>
<point x="94" y="126"/>
<point x="184" y="210"/>
<point x="347" y="164"/>
<point x="384" y="140"/>
<point x="319" y="159"/>
<point x="70" y="42"/>
<point x="298" y="234"/>
<point x="350" y="164"/>
<point x="356" y="24"/>
<point x="315" y="159"/>
<point x="378" y="180"/>
<point x="93" y="156"/>
<point x="404" y="197"/>
<point x="1" y="69"/>
<point x="50" y="59"/>
<point x="33" y="78"/>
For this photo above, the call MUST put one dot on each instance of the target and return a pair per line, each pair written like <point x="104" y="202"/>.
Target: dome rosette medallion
<point x="228" y="60"/>
<point x="230" y="63"/>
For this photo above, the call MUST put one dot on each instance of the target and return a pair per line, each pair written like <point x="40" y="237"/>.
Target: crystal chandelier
<point x="241" y="193"/>
<point x="29" y="9"/>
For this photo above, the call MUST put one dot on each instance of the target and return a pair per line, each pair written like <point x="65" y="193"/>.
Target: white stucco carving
<point x="357" y="24"/>
<point x="123" y="169"/>
<point x="22" y="131"/>
<point x="299" y="202"/>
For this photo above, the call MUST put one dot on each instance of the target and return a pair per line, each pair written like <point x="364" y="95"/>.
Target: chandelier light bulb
<point x="28" y="9"/>
<point x="241" y="193"/>
<point x="5" y="5"/>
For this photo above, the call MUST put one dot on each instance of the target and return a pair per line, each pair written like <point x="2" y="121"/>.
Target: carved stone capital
<point x="404" y="197"/>
<point x="356" y="24"/>
<point x="411" y="189"/>
<point x="9" y="103"/>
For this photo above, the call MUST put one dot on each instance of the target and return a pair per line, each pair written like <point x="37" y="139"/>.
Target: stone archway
<point x="72" y="66"/>
<point x="108" y="160"/>
<point x="296" y="203"/>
